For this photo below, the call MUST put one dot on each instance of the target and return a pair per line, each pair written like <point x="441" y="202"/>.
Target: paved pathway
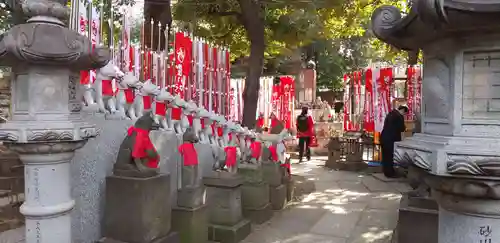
<point x="345" y="208"/>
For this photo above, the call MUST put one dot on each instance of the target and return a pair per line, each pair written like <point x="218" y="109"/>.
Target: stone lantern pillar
<point x="46" y="128"/>
<point x="459" y="147"/>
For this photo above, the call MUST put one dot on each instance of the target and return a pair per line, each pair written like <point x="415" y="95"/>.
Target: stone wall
<point x="4" y="96"/>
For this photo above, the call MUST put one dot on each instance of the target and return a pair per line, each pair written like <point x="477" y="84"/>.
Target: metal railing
<point x="359" y="149"/>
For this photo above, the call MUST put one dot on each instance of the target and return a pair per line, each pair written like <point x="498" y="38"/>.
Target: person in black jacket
<point x="394" y="125"/>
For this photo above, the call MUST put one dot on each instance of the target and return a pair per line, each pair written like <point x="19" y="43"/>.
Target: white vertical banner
<point x="220" y="81"/>
<point x="210" y="79"/>
<point x="199" y="74"/>
<point x="137" y="61"/>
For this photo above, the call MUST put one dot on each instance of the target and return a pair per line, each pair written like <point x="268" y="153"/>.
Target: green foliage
<point x="338" y="30"/>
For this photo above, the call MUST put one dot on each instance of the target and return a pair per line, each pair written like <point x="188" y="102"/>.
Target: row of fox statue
<point x="131" y="99"/>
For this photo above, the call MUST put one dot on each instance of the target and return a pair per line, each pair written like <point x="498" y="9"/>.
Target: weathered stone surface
<point x="333" y="158"/>
<point x="230" y="234"/>
<point x="290" y="188"/>
<point x="421" y="211"/>
<point x="191" y="223"/>
<point x="89" y="168"/>
<point x="278" y="197"/>
<point x="167" y="143"/>
<point x="259" y="215"/>
<point x="254" y="196"/>
<point x="224" y="199"/>
<point x="137" y="209"/>
<point x="191" y="197"/>
<point x="272" y="173"/>
<point x="251" y="173"/>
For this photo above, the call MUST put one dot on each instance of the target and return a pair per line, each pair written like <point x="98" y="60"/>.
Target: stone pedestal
<point x="227" y="224"/>
<point x="469" y="209"/>
<point x="46" y="128"/>
<point x="255" y="193"/>
<point x="274" y="176"/>
<point x="138" y="210"/>
<point x="459" y="144"/>
<point x="47" y="211"/>
<point x="418" y="220"/>
<point x="190" y="216"/>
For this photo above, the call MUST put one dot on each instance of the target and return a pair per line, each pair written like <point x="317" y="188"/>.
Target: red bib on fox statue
<point x="143" y="148"/>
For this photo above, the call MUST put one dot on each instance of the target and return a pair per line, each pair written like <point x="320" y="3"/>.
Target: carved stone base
<point x="224" y="198"/>
<point x="230" y="234"/>
<point x="251" y="173"/>
<point x="137" y="209"/>
<point x="272" y="173"/>
<point x="333" y="158"/>
<point x="254" y="195"/>
<point x="290" y="188"/>
<point x="278" y="197"/>
<point x="259" y="215"/>
<point x="423" y="211"/>
<point x="191" y="223"/>
<point x="225" y="213"/>
<point x="191" y="197"/>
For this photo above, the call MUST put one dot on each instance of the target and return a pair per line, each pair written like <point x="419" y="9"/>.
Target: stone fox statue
<point x="137" y="156"/>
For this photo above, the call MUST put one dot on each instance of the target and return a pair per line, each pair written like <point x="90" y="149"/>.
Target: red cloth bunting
<point x="230" y="156"/>
<point x="189" y="154"/>
<point x="176" y="113"/>
<point x="161" y="108"/>
<point x="147" y="101"/>
<point x="129" y="95"/>
<point x="142" y="145"/>
<point x="255" y="148"/>
<point x="274" y="153"/>
<point x="107" y="87"/>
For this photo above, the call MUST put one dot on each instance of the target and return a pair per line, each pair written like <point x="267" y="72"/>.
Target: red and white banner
<point x="418" y="91"/>
<point x="287" y="84"/>
<point x="383" y="80"/>
<point x="414" y="89"/>
<point x="182" y="55"/>
<point x="368" y="111"/>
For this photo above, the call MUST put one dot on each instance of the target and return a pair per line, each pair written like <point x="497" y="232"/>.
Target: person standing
<point x="394" y="125"/>
<point x="305" y="131"/>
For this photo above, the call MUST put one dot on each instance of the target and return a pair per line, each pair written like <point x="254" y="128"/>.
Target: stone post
<point x="459" y="147"/>
<point x="45" y="129"/>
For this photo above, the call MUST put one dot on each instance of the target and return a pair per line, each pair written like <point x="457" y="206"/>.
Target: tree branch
<point x="228" y="13"/>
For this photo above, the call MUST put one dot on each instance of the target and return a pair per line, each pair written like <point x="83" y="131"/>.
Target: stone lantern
<point x="459" y="147"/>
<point x="46" y="128"/>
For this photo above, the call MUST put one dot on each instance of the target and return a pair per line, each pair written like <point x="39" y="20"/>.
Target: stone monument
<point x="46" y="127"/>
<point x="225" y="209"/>
<point x="138" y="206"/>
<point x="458" y="149"/>
<point x="256" y="201"/>
<point x="190" y="216"/>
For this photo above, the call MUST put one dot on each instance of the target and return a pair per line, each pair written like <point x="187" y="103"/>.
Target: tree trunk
<point x="413" y="57"/>
<point x="251" y="17"/>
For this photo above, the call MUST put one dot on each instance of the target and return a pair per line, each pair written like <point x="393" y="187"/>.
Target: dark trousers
<point x="388" y="158"/>
<point x="304" y="143"/>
